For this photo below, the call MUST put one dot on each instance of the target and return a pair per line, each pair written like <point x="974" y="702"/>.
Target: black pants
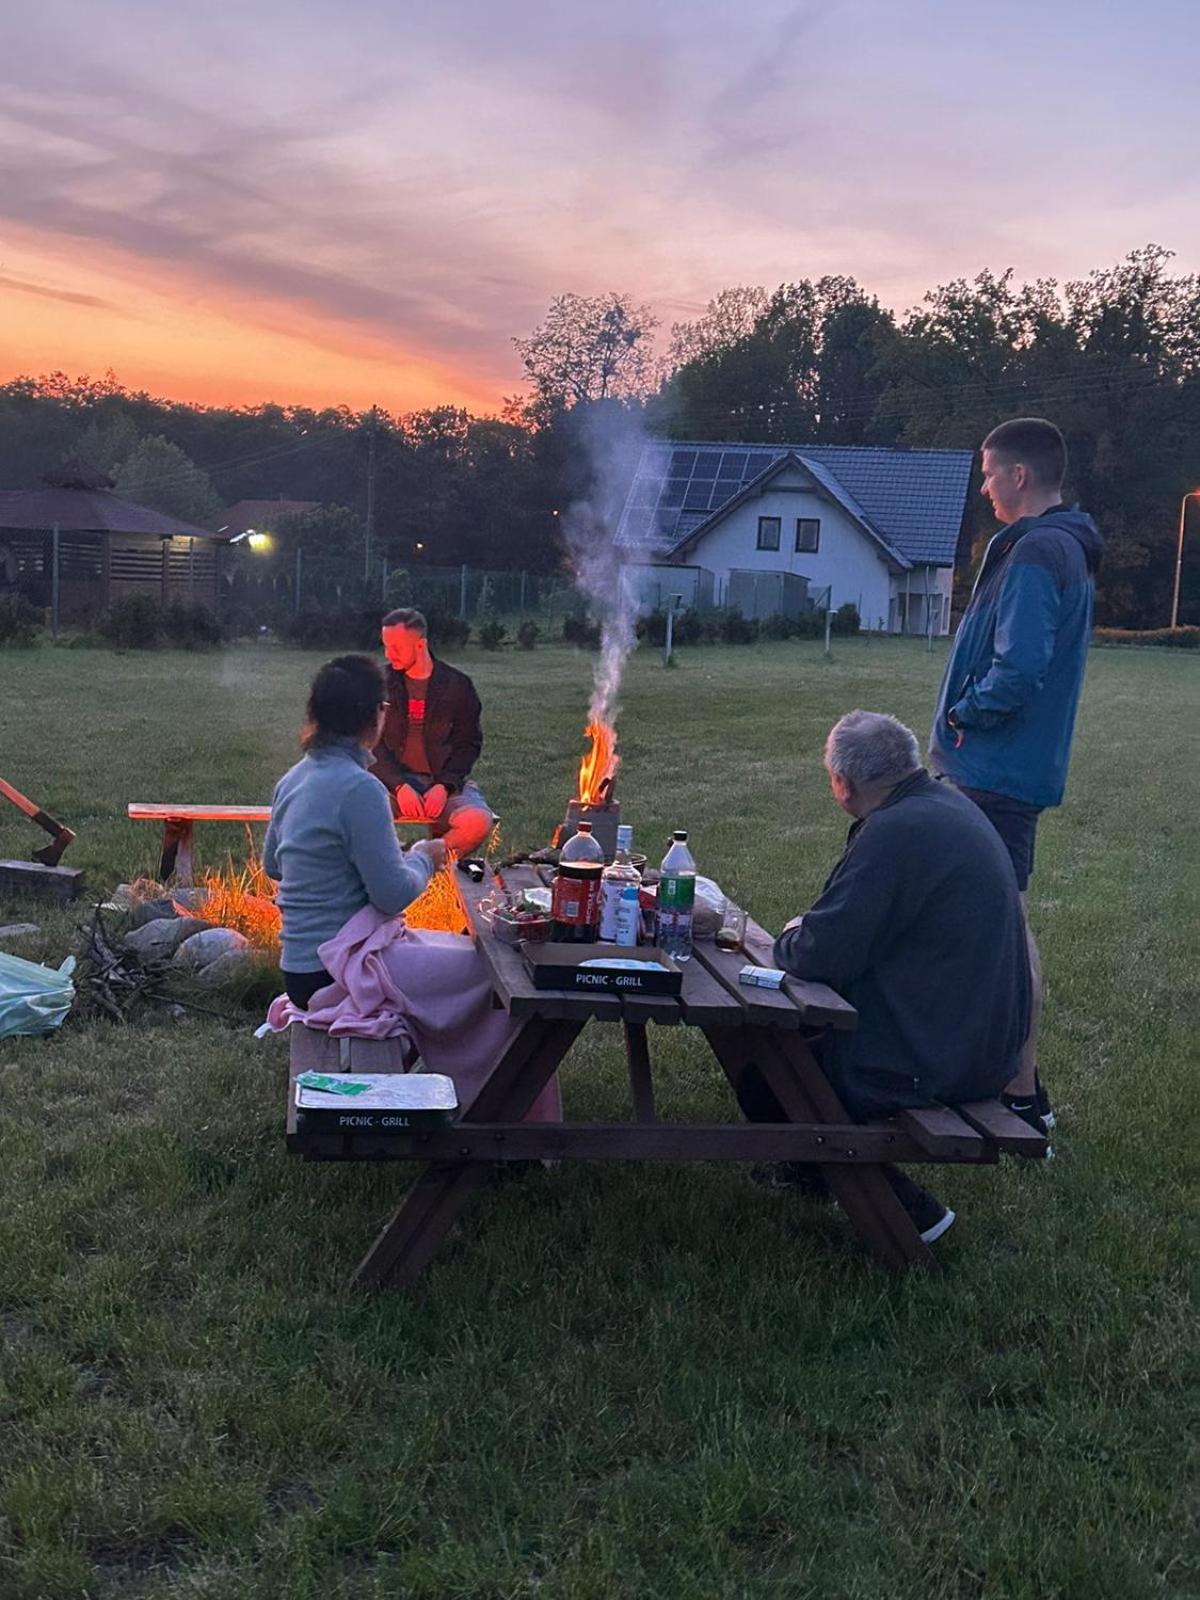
<point x="760" y="1104"/>
<point x="301" y="986"/>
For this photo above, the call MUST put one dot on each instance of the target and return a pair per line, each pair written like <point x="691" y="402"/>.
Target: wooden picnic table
<point x="776" y="1031"/>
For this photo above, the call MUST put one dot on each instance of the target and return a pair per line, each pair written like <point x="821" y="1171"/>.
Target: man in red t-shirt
<point x="431" y="738"/>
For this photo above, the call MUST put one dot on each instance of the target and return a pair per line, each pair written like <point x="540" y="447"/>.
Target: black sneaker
<point x="1043" y="1104"/>
<point x="801" y="1177"/>
<point x="929" y="1216"/>
<point x="1027" y="1108"/>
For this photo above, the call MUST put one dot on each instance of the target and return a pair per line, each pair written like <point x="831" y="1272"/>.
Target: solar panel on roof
<point x="913" y="499"/>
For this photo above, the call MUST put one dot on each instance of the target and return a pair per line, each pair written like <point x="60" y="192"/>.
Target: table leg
<point x="641" y="1084"/>
<point x="176" y="855"/>
<point x="795" y="1078"/>
<point x="412" y="1234"/>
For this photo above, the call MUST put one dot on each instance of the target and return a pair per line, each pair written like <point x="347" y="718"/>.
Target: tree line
<point x="1113" y="358"/>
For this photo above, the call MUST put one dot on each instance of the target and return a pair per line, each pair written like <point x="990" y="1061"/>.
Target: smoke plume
<point x="614" y="440"/>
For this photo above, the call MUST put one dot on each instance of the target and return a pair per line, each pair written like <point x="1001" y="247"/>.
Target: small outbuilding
<point x="73" y="547"/>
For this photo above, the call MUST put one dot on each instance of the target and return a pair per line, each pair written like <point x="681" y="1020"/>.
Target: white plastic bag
<point x="33" y="998"/>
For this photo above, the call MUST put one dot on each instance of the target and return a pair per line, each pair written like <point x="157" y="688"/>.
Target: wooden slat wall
<point x="135" y="562"/>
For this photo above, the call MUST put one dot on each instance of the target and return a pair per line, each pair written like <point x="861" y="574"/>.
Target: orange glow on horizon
<point x="178" y="336"/>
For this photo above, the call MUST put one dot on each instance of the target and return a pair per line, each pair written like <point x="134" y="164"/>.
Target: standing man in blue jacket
<point x="1006" y="708"/>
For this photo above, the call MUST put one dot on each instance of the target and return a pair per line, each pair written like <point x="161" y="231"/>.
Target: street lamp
<point x="1192" y="494"/>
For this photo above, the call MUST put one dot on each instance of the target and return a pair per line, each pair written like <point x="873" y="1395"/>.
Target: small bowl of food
<point x="515" y="926"/>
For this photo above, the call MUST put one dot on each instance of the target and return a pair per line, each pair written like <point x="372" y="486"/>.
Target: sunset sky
<point x="363" y="202"/>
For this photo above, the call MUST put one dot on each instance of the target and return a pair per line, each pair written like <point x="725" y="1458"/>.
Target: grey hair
<point x="871" y="750"/>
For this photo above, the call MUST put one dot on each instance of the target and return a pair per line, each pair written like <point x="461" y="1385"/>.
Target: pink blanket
<point x="430" y="988"/>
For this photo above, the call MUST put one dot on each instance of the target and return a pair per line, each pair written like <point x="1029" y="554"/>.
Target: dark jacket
<point x="1016" y="670"/>
<point x="920" y="927"/>
<point x="453" y="734"/>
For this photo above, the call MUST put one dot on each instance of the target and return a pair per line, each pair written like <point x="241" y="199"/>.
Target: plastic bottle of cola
<point x="676" y="900"/>
<point x="613" y="884"/>
<point x="575" y="899"/>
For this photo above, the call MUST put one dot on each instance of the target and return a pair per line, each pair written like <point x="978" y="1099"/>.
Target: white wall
<point x="848" y="560"/>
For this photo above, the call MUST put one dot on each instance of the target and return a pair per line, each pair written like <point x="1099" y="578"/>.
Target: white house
<point x="765" y="526"/>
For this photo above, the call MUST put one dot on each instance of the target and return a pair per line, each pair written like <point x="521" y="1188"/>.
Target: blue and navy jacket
<point x="1016" y="668"/>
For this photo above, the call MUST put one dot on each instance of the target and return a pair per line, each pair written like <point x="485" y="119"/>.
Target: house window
<point x="808" y="534"/>
<point x="768" y="532"/>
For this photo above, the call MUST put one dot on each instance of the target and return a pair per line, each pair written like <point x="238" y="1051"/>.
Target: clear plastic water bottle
<point x="614" y="883"/>
<point x="676" y="900"/>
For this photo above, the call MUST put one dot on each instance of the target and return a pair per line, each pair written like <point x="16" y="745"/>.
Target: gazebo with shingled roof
<point x="74" y="547"/>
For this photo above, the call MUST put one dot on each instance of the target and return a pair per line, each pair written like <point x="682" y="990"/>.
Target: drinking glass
<point x="732" y="932"/>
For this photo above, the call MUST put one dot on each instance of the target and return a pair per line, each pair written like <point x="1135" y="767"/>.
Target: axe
<point x="60" y="836"/>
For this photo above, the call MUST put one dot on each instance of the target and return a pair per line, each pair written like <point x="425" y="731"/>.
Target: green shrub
<point x="18" y="620"/>
<point x="733" y="628"/>
<point x="133" y="622"/>
<point x="652" y="628"/>
<point x="809" y="626"/>
<point x="846" y="619"/>
<point x="191" y="627"/>
<point x="337" y="628"/>
<point x="492" y="634"/>
<point x="528" y="634"/>
<point x="1168" y="638"/>
<point x="578" y="628"/>
<point x="398" y="589"/>
<point x="446" y="631"/>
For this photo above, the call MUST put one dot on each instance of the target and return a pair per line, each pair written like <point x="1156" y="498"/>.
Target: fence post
<point x="670" y="641"/>
<point x="54" y="577"/>
<point x="299" y="572"/>
<point x="523" y="577"/>
<point x="462" y="594"/>
<point x="828" y="620"/>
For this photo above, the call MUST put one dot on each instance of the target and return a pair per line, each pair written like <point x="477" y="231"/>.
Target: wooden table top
<point x="711" y="997"/>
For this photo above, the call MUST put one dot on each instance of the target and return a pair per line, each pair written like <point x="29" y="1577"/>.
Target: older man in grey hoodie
<point x="919" y="926"/>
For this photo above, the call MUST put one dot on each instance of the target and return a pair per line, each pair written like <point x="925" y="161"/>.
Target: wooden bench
<point x="179" y="826"/>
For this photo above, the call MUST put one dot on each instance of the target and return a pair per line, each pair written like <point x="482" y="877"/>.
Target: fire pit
<point x="594" y="801"/>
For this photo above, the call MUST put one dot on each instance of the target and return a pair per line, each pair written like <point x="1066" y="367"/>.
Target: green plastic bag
<point x="33" y="998"/>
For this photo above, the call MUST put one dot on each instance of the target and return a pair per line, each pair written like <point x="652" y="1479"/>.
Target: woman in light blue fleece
<point x="331" y="843"/>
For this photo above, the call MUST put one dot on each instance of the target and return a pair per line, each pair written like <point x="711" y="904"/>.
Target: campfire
<point x="598" y="765"/>
<point x="593" y="800"/>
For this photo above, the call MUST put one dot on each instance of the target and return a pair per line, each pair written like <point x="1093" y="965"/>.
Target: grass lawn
<point x="613" y="1382"/>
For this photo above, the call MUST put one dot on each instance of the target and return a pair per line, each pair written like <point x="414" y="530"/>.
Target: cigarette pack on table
<point x="762" y="977"/>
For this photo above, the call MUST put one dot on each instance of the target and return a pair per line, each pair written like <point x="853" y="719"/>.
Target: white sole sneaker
<point x="943" y="1224"/>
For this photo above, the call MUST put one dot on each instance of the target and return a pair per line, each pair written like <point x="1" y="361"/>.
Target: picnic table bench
<point x="179" y="828"/>
<point x="775" y="1030"/>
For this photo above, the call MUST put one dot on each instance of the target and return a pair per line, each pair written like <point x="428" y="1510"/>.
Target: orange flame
<point x="599" y="764"/>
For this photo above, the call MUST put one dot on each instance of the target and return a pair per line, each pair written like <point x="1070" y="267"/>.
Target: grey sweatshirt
<point x="332" y="848"/>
